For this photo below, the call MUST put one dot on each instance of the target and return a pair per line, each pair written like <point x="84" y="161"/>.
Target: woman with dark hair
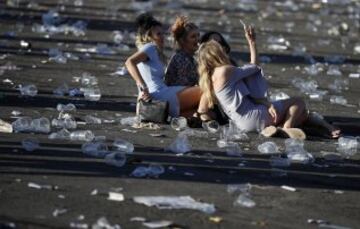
<point x="146" y="67"/>
<point x="216" y="36"/>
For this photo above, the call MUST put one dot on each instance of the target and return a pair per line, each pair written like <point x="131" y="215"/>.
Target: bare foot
<point x="269" y="131"/>
<point x="295" y="133"/>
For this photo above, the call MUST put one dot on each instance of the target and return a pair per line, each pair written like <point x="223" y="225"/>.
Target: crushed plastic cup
<point x="92" y="94"/>
<point x="89" y="119"/>
<point x="179" y="123"/>
<point x="278" y="96"/>
<point x="180" y="144"/>
<point x="30" y="144"/>
<point x="244" y="201"/>
<point x="66" y="108"/>
<point x="103" y="223"/>
<point x="117" y="159"/>
<point x="22" y="124"/>
<point x="88" y="80"/>
<point x="211" y="126"/>
<point x="95" y="149"/>
<point x="334" y="70"/>
<point x="63" y="134"/>
<point x="28" y="90"/>
<point x="123" y="145"/>
<point x="175" y="202"/>
<point x="82" y="135"/>
<point x="268" y="148"/>
<point x="242" y="188"/>
<point x="153" y="170"/>
<point x="348" y="146"/>
<point x="130" y="121"/>
<point x="233" y="149"/>
<point x="67" y="123"/>
<point x="62" y="90"/>
<point x="280" y="162"/>
<point x="40" y="125"/>
<point x="337" y="99"/>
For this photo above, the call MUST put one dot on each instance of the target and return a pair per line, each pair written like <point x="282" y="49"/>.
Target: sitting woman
<point x="182" y="68"/>
<point x="235" y="90"/>
<point x="216" y="36"/>
<point x="146" y="67"/>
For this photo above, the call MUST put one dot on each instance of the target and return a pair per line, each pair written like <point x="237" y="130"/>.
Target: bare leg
<point x="314" y="119"/>
<point x="296" y="113"/>
<point x="189" y="99"/>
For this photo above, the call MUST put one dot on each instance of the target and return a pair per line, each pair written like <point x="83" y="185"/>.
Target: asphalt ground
<point x="325" y="190"/>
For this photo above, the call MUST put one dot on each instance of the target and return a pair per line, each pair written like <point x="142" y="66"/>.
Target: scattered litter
<point x="137" y="219"/>
<point x="116" y="196"/>
<point x="268" y="148"/>
<point x="288" y="188"/>
<point x="123" y="145"/>
<point x="157" y="224"/>
<point x="215" y="219"/>
<point x="180" y="145"/>
<point x="30" y="144"/>
<point x="153" y="170"/>
<point x="244" y="201"/>
<point x="5" y="127"/>
<point x="38" y="186"/>
<point x="102" y="223"/>
<point x="117" y="159"/>
<point x="94" y="192"/>
<point x="175" y="202"/>
<point x="58" y="212"/>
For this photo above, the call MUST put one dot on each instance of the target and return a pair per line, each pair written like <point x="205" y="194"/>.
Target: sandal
<point x="198" y="119"/>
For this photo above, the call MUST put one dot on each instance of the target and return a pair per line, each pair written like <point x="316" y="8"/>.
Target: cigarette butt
<point x="291" y="189"/>
<point x="243" y="23"/>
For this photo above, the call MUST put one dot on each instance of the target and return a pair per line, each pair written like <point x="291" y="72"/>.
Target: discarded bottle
<point x="268" y="148"/>
<point x="95" y="149"/>
<point x="179" y="123"/>
<point x="30" y="144"/>
<point x="123" y="145"/>
<point x="82" y="135"/>
<point x="28" y="90"/>
<point x="66" y="108"/>
<point x="155" y="170"/>
<point x="243" y="188"/>
<point x="334" y="71"/>
<point x="117" y="159"/>
<point x="40" y="125"/>
<point x="140" y="171"/>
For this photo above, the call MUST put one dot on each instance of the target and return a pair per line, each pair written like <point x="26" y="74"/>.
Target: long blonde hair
<point x="210" y="55"/>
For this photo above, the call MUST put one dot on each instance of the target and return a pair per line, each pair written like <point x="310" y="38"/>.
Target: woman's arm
<point x="251" y="38"/>
<point x="272" y="111"/>
<point x="131" y="65"/>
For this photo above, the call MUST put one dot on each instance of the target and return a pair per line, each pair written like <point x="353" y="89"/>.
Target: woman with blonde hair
<point x="146" y="67"/>
<point x="236" y="90"/>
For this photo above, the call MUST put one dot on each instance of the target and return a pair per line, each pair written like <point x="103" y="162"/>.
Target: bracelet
<point x="142" y="87"/>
